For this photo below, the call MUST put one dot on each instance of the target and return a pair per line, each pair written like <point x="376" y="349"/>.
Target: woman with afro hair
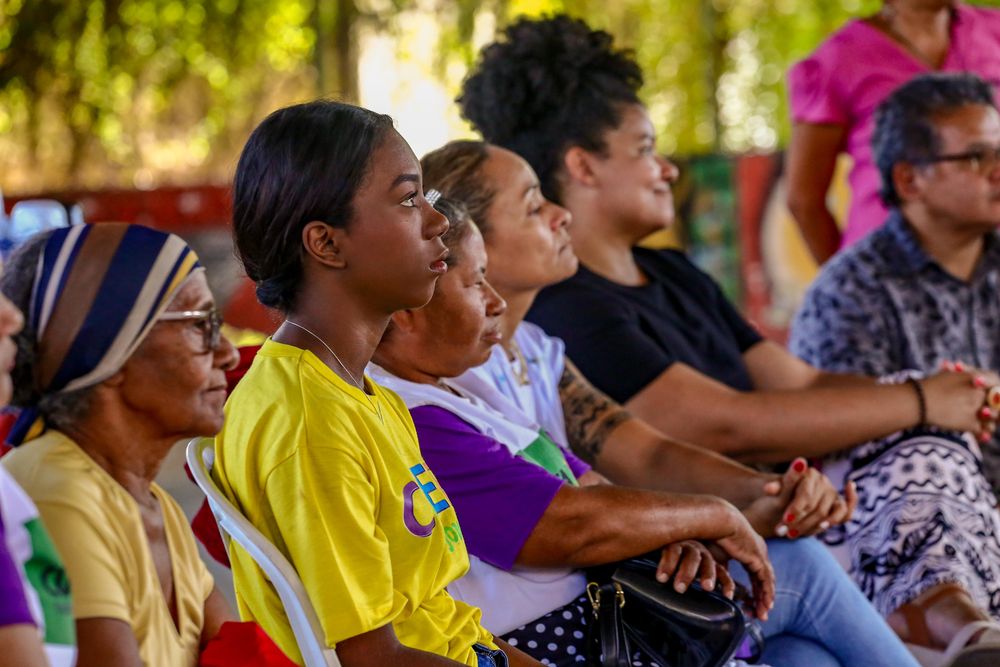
<point x="656" y="334"/>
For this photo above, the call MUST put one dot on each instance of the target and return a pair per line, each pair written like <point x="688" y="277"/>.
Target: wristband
<point x="921" y="400"/>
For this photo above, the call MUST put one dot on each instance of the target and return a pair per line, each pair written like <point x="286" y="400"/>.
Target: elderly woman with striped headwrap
<point x="119" y="358"/>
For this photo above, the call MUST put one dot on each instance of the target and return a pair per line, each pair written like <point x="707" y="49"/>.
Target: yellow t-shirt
<point x="336" y="482"/>
<point x="97" y="529"/>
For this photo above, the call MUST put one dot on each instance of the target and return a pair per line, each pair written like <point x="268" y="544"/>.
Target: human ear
<point x="324" y="243"/>
<point x="907" y="179"/>
<point x="404" y="321"/>
<point x="579" y="165"/>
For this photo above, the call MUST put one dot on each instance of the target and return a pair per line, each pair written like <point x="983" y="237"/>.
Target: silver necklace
<point x="357" y="383"/>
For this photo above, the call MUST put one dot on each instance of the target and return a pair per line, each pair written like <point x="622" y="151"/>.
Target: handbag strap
<point x="609" y="644"/>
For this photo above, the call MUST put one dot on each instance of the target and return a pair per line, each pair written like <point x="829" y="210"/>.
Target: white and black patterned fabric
<point x="925" y="516"/>
<point x="883" y="306"/>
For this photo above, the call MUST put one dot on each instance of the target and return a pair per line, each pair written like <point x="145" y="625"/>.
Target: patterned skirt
<point x="926" y="515"/>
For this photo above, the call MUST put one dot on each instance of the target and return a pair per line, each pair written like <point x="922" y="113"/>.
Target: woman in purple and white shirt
<point x="531" y="513"/>
<point x="34" y="597"/>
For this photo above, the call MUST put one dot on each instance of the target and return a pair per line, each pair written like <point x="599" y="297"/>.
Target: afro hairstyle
<point x="547" y="85"/>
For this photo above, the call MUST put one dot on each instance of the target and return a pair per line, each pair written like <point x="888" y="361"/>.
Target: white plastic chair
<point x="305" y="624"/>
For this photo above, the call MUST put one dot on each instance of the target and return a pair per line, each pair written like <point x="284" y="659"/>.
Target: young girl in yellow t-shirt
<point x="330" y="221"/>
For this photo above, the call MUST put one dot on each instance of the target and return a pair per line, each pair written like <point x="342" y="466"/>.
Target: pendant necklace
<point x="360" y="385"/>
<point x="516" y="355"/>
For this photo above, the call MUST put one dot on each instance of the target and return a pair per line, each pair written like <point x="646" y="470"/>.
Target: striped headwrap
<point x="98" y="290"/>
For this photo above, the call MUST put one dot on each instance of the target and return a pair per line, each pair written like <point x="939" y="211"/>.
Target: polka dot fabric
<point x="559" y="638"/>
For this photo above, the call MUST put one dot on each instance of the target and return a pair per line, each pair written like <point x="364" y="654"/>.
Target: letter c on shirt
<point x="410" y="517"/>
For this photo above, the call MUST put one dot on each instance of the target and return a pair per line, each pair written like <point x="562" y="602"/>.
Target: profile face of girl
<point x="326" y="191"/>
<point x="527" y="239"/>
<point x="460" y="325"/>
<point x="392" y="247"/>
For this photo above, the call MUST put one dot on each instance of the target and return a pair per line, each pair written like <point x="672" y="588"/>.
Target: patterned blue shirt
<point x="883" y="305"/>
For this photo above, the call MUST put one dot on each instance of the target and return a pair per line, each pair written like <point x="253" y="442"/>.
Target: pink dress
<point x="849" y="74"/>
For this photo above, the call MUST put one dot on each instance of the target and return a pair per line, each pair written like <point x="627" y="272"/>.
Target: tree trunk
<point x="714" y="25"/>
<point x="336" y="52"/>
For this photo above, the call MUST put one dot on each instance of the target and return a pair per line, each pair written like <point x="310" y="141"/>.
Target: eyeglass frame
<point x="978" y="159"/>
<point x="211" y="337"/>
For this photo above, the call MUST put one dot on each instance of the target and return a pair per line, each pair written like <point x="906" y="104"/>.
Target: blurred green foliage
<point x="139" y="92"/>
<point x="104" y="90"/>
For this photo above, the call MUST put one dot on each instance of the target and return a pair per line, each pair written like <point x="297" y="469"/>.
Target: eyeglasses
<point x="209" y="322"/>
<point x="982" y="160"/>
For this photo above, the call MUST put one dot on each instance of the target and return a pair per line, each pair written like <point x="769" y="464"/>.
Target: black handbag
<point x="634" y="612"/>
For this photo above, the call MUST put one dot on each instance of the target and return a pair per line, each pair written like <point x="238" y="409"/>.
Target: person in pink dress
<point x="834" y="92"/>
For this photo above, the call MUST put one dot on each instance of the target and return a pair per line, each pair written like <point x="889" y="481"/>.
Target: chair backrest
<point x="301" y="615"/>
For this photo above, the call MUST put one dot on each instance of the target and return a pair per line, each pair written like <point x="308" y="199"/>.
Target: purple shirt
<point x="845" y="79"/>
<point x="13" y="605"/>
<point x="499" y="497"/>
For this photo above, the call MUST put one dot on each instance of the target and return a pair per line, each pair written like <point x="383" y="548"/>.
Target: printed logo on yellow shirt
<point x="429" y="488"/>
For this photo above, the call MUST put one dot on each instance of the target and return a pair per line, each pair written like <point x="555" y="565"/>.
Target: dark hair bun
<point x="546" y="85"/>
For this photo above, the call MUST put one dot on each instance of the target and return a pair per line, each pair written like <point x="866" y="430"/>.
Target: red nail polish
<point x="959" y="367"/>
<point x="993" y="397"/>
<point x="789" y="518"/>
<point x="985" y="413"/>
<point x="793" y="533"/>
<point x="985" y="437"/>
<point x="979" y="382"/>
<point x="799" y="465"/>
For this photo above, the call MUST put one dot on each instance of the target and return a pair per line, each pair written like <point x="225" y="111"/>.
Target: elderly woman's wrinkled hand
<point x="687" y="560"/>
<point x="745" y="546"/>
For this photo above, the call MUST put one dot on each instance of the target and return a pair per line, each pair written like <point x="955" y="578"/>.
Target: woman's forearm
<point x="637" y="455"/>
<point x="809" y="167"/>
<point x="824" y="417"/>
<point x="381" y="647"/>
<point x="818" y="227"/>
<point x="772" y="425"/>
<point x="777" y="426"/>
<point x="601" y="524"/>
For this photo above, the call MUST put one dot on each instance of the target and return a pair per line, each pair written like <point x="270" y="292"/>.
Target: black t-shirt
<point x="622" y="337"/>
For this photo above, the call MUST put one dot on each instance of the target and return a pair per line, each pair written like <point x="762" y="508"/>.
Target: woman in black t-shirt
<point x="657" y="334"/>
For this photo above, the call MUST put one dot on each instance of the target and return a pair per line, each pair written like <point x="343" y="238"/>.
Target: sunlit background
<point x="137" y="109"/>
<point x="146" y="93"/>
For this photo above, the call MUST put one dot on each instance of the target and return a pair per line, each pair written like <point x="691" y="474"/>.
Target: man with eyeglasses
<point x="923" y="291"/>
<point x="919" y="294"/>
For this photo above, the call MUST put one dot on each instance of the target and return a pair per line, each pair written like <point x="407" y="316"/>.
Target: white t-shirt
<point x="497" y="382"/>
